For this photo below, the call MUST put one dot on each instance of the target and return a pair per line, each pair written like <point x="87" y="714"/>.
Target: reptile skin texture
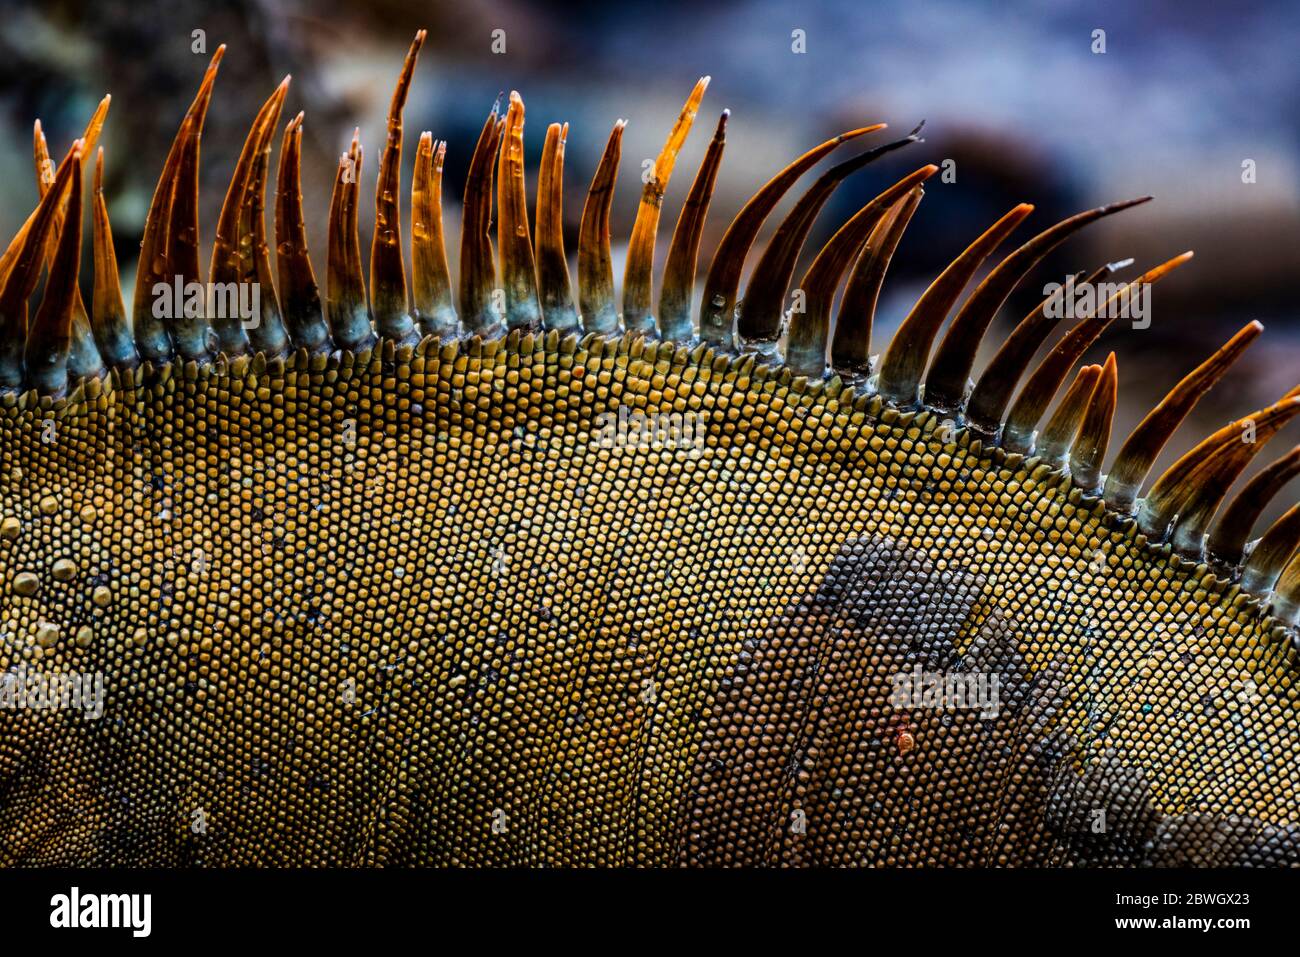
<point x="404" y="604"/>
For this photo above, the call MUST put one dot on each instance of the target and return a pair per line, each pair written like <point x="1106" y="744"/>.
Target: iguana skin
<point x="390" y="603"/>
<point x="361" y="605"/>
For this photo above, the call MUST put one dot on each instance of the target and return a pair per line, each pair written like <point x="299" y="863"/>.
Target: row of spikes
<point x="534" y="291"/>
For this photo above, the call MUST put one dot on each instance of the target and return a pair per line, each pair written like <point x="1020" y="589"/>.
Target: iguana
<point x="487" y="573"/>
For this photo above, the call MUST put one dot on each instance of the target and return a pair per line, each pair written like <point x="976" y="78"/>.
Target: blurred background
<point x="1012" y="92"/>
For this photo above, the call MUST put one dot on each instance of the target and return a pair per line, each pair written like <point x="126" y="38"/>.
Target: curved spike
<point x="1216" y="475"/>
<point x="553" y="285"/>
<point x="298" y="289"/>
<point x="988" y="401"/>
<point x="595" y="264"/>
<point x="84" y="360"/>
<point x="478" y="278"/>
<point x="347" y="309"/>
<point x="810" y="328"/>
<point x="945" y="384"/>
<point x="152" y="338"/>
<point x="389" y="304"/>
<point x="683" y="252"/>
<point x="1037" y="395"/>
<point x="638" y="275"/>
<point x="266" y="332"/>
<point x="430" y="274"/>
<point x="1286" y="593"/>
<point x="518" y="271"/>
<point x="1142" y="447"/>
<point x="1272" y="552"/>
<point x="1089" y="452"/>
<point x="722" y="285"/>
<point x="48" y="340"/>
<point x="905" y="359"/>
<point x="25" y="272"/>
<point x="1207" y="471"/>
<point x="851" y="347"/>
<point x="188" y="328"/>
<point x="1058" y="435"/>
<point x="236" y="252"/>
<point x="758" y="322"/>
<point x="108" y="321"/>
<point x="1227" y="543"/>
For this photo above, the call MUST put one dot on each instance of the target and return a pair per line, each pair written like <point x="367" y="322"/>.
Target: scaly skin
<point x="410" y="604"/>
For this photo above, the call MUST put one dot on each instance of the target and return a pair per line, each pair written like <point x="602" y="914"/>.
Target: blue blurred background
<point x="1013" y="92"/>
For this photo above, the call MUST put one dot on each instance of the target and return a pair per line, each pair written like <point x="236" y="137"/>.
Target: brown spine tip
<point x="430" y="273"/>
<point x="479" y="307"/>
<point x="553" y="284"/>
<point x="1057" y="437"/>
<point x="810" y="326"/>
<point x="514" y="240"/>
<point x="759" y="314"/>
<point x="389" y="303"/>
<point x="722" y="284"/>
<point x="946" y="382"/>
<point x="988" y="401"/>
<point x="851" y="347"/>
<point x="595" y="263"/>
<point x="300" y="296"/>
<point x="675" y="322"/>
<point x="1227" y="543"/>
<point x="347" y="309"/>
<point x="50" y="337"/>
<point x="108" y="323"/>
<point x="638" y="276"/>
<point x="1037" y="395"/>
<point x="1140" y="449"/>
<point x="908" y="352"/>
<point x="1089" y="449"/>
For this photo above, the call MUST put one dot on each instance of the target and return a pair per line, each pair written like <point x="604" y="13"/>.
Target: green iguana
<point x="478" y="574"/>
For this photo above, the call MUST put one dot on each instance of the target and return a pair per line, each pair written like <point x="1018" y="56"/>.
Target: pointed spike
<point x="1227" y="543"/>
<point x="851" y="347"/>
<point x="595" y="263"/>
<point x="514" y="241"/>
<point x="810" y="328"/>
<point x="1212" y="479"/>
<point x="189" y="330"/>
<point x="1089" y="452"/>
<point x="1197" y="482"/>
<point x="266" y="332"/>
<point x="638" y="278"/>
<point x="1286" y="593"/>
<point x="945" y="384"/>
<point x="153" y="341"/>
<point x="389" y="303"/>
<point x="25" y="272"/>
<point x="554" y="287"/>
<point x="347" y="310"/>
<point x="1142" y="447"/>
<point x="988" y="402"/>
<point x="48" y="340"/>
<point x="1272" y="553"/>
<point x="908" y="353"/>
<point x="235" y="256"/>
<point x="430" y="274"/>
<point x="758" y="322"/>
<point x="1054" y="443"/>
<point x="722" y="285"/>
<point x="675" y="322"/>
<point x="108" y="323"/>
<point x="1037" y="395"/>
<point x="479" y="309"/>
<point x="298" y="290"/>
